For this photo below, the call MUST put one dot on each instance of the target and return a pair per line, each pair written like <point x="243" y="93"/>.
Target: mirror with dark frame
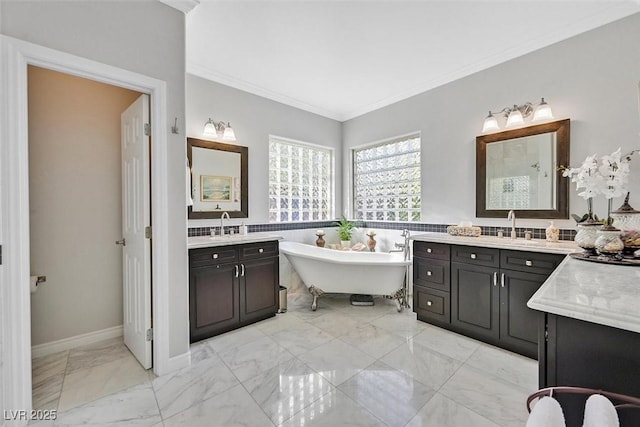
<point x="519" y="170"/>
<point x="218" y="179"/>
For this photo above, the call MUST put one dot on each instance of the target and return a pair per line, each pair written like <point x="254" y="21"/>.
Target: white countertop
<point x="236" y="239"/>
<point x="599" y="293"/>
<point x="520" y="244"/>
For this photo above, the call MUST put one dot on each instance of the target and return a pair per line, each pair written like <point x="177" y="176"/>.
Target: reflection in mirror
<point x="218" y="179"/>
<point x="518" y="170"/>
<point x="521" y="173"/>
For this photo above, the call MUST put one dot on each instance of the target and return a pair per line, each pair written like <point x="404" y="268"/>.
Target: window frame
<point x="331" y="173"/>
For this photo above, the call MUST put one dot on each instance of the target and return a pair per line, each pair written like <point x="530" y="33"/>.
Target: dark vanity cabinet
<point x="231" y="286"/>
<point x="431" y="282"/>
<point x="584" y="354"/>
<point x="486" y="292"/>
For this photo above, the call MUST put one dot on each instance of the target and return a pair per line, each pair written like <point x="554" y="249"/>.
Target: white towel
<point x="546" y="413"/>
<point x="189" y="191"/>
<point x="599" y="412"/>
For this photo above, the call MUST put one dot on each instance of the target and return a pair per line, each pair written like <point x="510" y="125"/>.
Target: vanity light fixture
<point x="213" y="129"/>
<point x="517" y="114"/>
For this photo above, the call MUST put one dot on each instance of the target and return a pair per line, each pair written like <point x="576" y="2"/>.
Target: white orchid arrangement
<point x="615" y="170"/>
<point x="587" y="176"/>
<point x="609" y="176"/>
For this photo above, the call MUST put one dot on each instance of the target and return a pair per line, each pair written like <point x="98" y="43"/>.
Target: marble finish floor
<point x="340" y="365"/>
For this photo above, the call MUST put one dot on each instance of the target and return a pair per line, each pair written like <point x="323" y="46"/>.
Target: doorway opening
<point x="76" y="219"/>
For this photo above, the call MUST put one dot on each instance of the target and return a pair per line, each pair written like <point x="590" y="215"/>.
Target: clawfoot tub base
<point x="401" y="299"/>
<point x="316" y="292"/>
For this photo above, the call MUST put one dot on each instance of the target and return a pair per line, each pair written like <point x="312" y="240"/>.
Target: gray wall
<point x="591" y="79"/>
<point x="143" y="36"/>
<point x="253" y="119"/>
<point x="75" y="203"/>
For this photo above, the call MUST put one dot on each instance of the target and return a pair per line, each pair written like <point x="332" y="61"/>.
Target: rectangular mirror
<point x="519" y="170"/>
<point x="218" y="179"/>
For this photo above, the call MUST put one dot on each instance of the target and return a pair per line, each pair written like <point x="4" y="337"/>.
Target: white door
<point x="136" y="248"/>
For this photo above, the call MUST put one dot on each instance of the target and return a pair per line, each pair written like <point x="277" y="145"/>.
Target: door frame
<point x="15" y="307"/>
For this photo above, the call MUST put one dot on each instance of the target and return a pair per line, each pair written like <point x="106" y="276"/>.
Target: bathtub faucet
<point x="406" y="234"/>
<point x="403" y="247"/>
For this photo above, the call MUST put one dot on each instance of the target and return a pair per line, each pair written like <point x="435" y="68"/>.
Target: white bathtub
<point x="326" y="270"/>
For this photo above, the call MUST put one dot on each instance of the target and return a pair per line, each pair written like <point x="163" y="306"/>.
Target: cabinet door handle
<point x="429" y="303"/>
<point x="502" y="280"/>
<point x="260" y="250"/>
<point x="473" y="256"/>
<point x="215" y="256"/>
<point x="429" y="273"/>
<point x="242" y="266"/>
<point x="528" y="263"/>
<point x="495" y="278"/>
<point x="236" y="270"/>
<point x="428" y="250"/>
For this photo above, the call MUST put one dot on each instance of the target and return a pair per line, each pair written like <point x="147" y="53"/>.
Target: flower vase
<point x="588" y="231"/>
<point x="608" y="243"/>
<point x="320" y="241"/>
<point x="346" y="244"/>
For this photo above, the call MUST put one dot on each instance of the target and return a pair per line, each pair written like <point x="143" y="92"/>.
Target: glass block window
<point x="300" y="187"/>
<point x="512" y="192"/>
<point x="386" y="180"/>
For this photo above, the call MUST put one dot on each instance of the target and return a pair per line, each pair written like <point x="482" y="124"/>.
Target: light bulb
<point x="229" y="134"/>
<point x="542" y="112"/>
<point x="210" y="129"/>
<point x="515" y="117"/>
<point x="490" y="123"/>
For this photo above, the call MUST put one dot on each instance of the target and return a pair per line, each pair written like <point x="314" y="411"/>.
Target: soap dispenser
<point x="552" y="232"/>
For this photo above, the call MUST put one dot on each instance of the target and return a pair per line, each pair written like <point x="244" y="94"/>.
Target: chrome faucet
<point x="406" y="234"/>
<point x="512" y="216"/>
<point x="222" y="224"/>
<point x="403" y="247"/>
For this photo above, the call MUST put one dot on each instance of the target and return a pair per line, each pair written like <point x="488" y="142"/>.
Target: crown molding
<point x="209" y="74"/>
<point x="184" y="6"/>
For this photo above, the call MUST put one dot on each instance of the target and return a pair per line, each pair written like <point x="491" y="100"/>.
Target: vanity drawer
<point x="432" y="273"/>
<point x="259" y="250"/>
<point x="431" y="304"/>
<point x="533" y="262"/>
<point x="212" y="256"/>
<point x="431" y="250"/>
<point x="489" y="257"/>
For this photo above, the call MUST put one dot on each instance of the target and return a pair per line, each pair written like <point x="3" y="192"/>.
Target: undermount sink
<point x="227" y="237"/>
<point x="509" y="241"/>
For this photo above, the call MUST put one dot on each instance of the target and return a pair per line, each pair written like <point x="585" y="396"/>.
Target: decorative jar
<point x="627" y="219"/>
<point x="587" y="235"/>
<point x="608" y="242"/>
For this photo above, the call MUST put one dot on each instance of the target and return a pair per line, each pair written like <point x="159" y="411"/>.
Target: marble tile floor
<point x="341" y="365"/>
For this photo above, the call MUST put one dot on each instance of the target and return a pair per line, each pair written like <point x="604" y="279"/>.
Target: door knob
<point x="121" y="242"/>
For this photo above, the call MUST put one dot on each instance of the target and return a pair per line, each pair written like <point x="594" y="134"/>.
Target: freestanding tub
<point x="348" y="272"/>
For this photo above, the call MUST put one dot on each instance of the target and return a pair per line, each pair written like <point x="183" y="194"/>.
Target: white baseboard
<point x="77" y="341"/>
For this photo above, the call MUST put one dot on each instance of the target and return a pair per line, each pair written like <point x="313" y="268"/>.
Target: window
<point x="386" y="180"/>
<point x="299" y="181"/>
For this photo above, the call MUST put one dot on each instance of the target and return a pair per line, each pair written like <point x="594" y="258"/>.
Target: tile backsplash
<point x="537" y="233"/>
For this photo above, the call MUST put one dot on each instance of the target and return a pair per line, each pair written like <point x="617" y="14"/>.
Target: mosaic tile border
<point x="537" y="233"/>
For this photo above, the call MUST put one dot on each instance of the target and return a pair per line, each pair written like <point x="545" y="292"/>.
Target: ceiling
<point x="341" y="59"/>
